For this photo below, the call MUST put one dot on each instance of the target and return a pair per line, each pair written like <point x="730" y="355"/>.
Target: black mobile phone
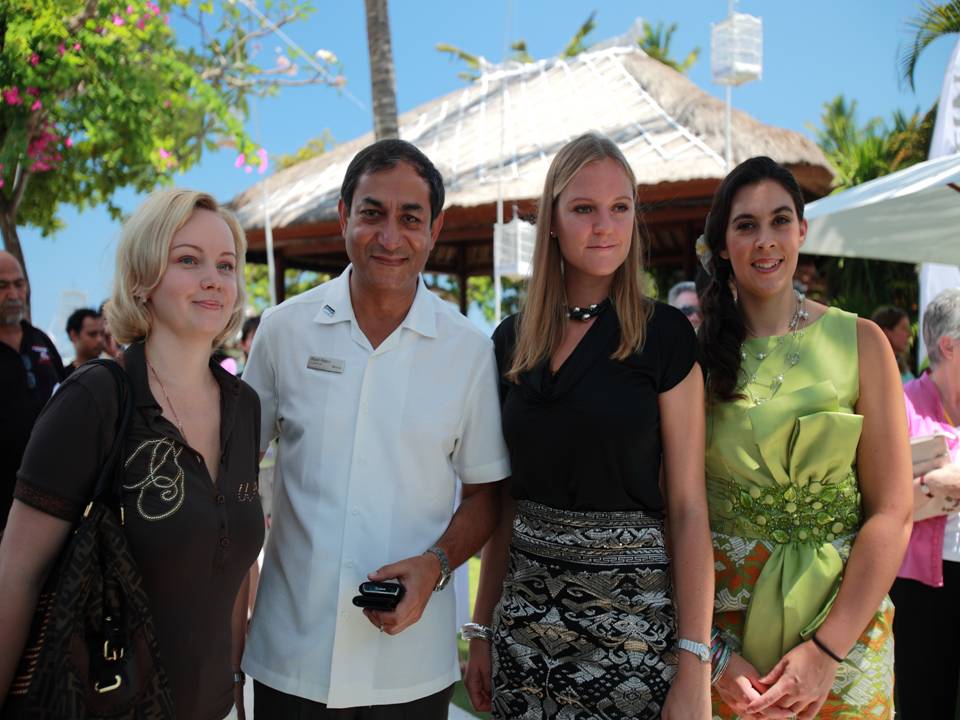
<point x="379" y="595"/>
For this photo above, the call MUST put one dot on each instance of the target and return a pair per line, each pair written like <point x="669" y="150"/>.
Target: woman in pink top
<point x="927" y="592"/>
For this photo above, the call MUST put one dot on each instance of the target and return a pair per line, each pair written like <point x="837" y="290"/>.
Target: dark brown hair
<point x="723" y="330"/>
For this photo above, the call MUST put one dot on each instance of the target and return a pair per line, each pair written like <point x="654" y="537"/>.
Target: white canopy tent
<point x="909" y="216"/>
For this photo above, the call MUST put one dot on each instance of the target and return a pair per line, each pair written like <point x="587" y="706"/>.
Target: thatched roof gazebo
<point x="670" y="130"/>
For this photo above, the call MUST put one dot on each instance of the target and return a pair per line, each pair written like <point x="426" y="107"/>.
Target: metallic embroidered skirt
<point x="585" y="627"/>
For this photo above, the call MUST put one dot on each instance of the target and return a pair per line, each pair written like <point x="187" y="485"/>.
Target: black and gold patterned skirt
<point x="586" y="625"/>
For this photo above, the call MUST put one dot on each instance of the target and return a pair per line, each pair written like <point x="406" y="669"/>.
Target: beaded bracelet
<point x="719" y="656"/>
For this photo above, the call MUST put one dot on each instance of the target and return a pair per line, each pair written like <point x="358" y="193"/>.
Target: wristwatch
<point x="699" y="649"/>
<point x="444" y="567"/>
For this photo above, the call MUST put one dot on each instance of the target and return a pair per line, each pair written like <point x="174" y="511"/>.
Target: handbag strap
<point x="111" y="472"/>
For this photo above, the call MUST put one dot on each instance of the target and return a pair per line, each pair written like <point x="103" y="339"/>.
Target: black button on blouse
<point x="588" y="436"/>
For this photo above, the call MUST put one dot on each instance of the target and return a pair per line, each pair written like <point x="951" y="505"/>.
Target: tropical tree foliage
<point x="294" y="282"/>
<point x="932" y="22"/>
<point x="656" y="43"/>
<point x="99" y="95"/>
<point x="475" y="63"/>
<point x="313" y="148"/>
<point x="858" y="153"/>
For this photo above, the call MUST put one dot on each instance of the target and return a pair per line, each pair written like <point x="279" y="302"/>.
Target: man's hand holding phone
<point x="418" y="576"/>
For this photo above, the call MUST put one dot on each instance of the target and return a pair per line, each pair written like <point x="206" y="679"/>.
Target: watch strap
<point x="444" y="567"/>
<point x="701" y="650"/>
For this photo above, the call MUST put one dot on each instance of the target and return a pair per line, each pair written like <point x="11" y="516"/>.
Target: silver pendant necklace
<point x="789" y="343"/>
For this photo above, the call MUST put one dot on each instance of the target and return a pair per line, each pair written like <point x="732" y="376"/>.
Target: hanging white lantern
<point x="513" y="244"/>
<point x="736" y="49"/>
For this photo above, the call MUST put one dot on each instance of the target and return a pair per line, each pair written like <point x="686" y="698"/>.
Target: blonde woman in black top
<point x="193" y="517"/>
<point x="598" y="383"/>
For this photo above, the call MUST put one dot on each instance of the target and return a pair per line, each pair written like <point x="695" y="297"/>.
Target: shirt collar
<point x="135" y="363"/>
<point x="421" y="318"/>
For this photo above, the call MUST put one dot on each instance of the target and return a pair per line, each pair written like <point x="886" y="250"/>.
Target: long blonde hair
<point x="142" y="259"/>
<point x="543" y="317"/>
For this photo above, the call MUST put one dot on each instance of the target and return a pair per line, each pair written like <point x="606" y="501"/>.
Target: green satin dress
<point x="785" y="508"/>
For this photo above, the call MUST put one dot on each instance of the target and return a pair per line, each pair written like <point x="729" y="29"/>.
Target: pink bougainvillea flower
<point x="167" y="103"/>
<point x="129" y="9"/>
<point x="166" y="19"/>
<point x="34" y="59"/>
<point x="36" y="106"/>
<point x="40" y="166"/>
<point x="153" y="7"/>
<point x="33" y="91"/>
<point x="11" y="96"/>
<point x="240" y="161"/>
<point x="164" y="154"/>
<point x="61" y="49"/>
<point x="76" y="46"/>
<point x="141" y="23"/>
<point x="248" y="169"/>
<point x="1" y="182"/>
<point x="264" y="159"/>
<point x="118" y="21"/>
<point x="68" y="142"/>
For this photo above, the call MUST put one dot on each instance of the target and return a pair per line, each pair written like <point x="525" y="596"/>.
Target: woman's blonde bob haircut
<point x="142" y="261"/>
<point x="543" y="316"/>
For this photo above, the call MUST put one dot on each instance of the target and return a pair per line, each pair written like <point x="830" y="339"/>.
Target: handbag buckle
<point x="110" y="654"/>
<point x="117" y="682"/>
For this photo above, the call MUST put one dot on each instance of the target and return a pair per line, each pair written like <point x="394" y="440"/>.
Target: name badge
<point x="325" y="364"/>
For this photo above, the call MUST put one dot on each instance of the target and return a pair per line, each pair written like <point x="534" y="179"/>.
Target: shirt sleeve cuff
<point x="45" y="502"/>
<point x="491" y="472"/>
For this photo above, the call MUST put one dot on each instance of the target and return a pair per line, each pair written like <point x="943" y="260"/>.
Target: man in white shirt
<point x="382" y="395"/>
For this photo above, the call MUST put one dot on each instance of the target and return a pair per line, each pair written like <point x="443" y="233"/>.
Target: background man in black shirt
<point x="30" y="369"/>
<point x="85" y="330"/>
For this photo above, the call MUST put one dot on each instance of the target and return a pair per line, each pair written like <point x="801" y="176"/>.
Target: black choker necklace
<point x="588" y="312"/>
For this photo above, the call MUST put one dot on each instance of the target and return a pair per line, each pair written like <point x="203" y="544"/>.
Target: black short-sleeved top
<point x="27" y="379"/>
<point x="193" y="540"/>
<point x="588" y="437"/>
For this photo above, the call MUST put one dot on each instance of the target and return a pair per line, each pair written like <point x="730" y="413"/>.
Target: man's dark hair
<point x="75" y="321"/>
<point x="250" y="325"/>
<point x="384" y="155"/>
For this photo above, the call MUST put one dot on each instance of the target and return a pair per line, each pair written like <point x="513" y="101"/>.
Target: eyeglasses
<point x="19" y="284"/>
<point x="31" y="377"/>
<point x="689" y="310"/>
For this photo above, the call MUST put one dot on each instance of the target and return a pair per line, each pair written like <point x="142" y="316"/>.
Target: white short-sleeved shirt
<point x="371" y="444"/>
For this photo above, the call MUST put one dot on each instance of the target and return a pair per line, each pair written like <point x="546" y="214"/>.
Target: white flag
<point x="946" y="141"/>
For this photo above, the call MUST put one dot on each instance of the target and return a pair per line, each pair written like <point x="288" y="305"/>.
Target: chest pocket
<point x="154" y="478"/>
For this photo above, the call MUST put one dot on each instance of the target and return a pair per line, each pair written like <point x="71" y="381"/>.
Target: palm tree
<point x="859" y="153"/>
<point x="933" y="21"/>
<point x="576" y="45"/>
<point x="656" y="43"/>
<point x="383" y="83"/>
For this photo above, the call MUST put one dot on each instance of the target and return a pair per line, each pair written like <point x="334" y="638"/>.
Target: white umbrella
<point x="910" y="216"/>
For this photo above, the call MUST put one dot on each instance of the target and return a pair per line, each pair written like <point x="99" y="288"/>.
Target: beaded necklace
<point x="790" y="343"/>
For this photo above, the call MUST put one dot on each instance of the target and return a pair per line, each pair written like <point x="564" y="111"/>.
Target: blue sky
<point x="813" y="51"/>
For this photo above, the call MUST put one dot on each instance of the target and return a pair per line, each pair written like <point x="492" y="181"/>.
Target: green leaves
<point x="99" y="95"/>
<point x="932" y="22"/>
<point x="656" y="43"/>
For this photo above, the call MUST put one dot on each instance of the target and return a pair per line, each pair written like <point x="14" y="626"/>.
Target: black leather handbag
<point x="92" y="650"/>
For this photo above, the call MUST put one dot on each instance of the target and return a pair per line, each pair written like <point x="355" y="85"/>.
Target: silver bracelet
<point x="476" y="631"/>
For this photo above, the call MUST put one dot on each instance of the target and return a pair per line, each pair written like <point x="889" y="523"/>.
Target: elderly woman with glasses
<point x="927" y="590"/>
